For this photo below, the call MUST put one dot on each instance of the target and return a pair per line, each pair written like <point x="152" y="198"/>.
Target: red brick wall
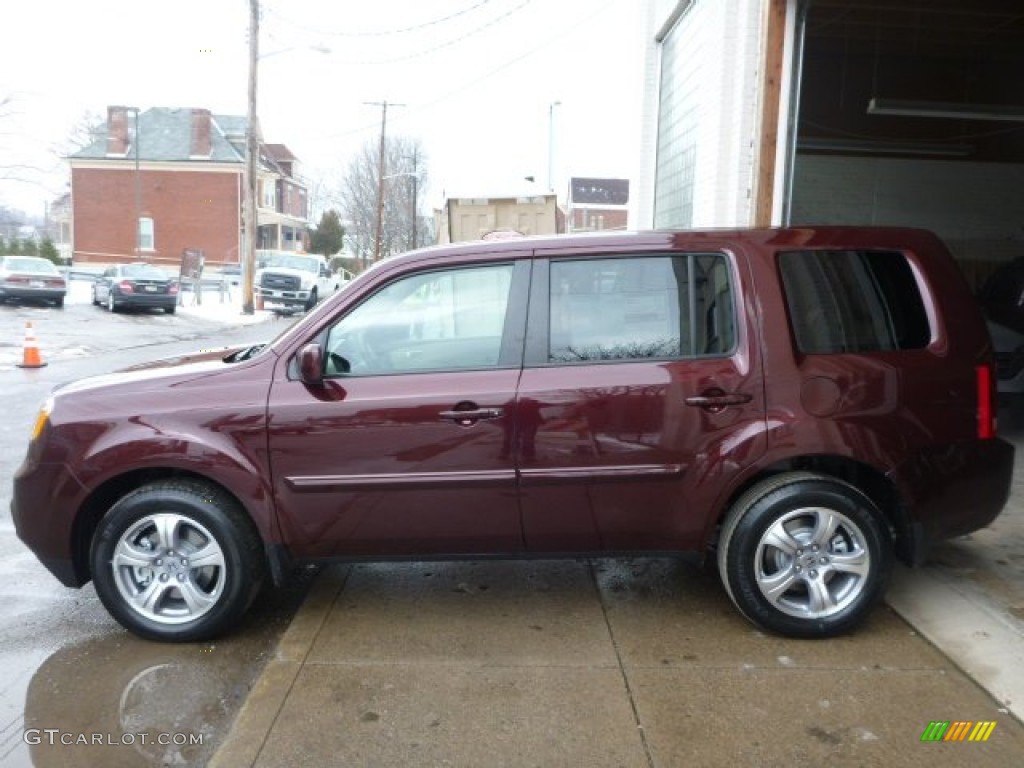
<point x="290" y="199"/>
<point x="189" y="210"/>
<point x="614" y="218"/>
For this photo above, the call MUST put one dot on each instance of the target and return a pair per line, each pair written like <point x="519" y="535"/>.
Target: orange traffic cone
<point x="31" y="357"/>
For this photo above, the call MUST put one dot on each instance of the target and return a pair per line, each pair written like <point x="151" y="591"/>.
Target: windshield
<point x="29" y="264"/>
<point x="292" y="261"/>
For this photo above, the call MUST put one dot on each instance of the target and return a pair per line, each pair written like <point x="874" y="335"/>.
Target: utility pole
<point x="381" y="167"/>
<point x="251" y="162"/>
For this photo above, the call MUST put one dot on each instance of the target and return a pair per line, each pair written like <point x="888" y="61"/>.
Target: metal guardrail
<point x="213" y="282"/>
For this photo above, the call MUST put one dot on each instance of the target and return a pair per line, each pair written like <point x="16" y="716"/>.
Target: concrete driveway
<point x="639" y="662"/>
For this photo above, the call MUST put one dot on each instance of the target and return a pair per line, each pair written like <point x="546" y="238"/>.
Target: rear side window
<point x="853" y="301"/>
<point x="640" y="307"/>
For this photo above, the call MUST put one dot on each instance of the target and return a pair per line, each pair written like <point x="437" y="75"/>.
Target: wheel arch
<point x="99" y="501"/>
<point x="870" y="480"/>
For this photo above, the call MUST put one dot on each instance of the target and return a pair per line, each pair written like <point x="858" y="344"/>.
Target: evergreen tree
<point x="329" y="237"/>
<point x="49" y="251"/>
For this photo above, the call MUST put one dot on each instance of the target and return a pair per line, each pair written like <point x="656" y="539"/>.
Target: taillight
<point x="125" y="287"/>
<point x="173" y="289"/>
<point x="986" y="402"/>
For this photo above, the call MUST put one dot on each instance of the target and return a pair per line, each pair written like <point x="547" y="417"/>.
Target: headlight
<point x="43" y="417"/>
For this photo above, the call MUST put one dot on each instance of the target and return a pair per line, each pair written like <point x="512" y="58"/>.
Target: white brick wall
<point x="721" y="72"/>
<point x="978" y="208"/>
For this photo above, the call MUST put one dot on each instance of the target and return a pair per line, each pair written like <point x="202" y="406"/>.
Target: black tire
<point x="169" y="310"/>
<point x="95" y="301"/>
<point x="154" y="531"/>
<point x="312" y="300"/>
<point x="59" y="303"/>
<point x="111" y="304"/>
<point x="781" y="547"/>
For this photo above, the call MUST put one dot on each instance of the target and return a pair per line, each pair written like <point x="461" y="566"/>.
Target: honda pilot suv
<point x="801" y="406"/>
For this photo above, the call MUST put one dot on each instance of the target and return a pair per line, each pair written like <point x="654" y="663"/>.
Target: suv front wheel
<point x="176" y="561"/>
<point x="805" y="555"/>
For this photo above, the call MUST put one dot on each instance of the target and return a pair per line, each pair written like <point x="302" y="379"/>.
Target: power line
<point x="441" y="46"/>
<point x="413" y="109"/>
<point x="379" y="33"/>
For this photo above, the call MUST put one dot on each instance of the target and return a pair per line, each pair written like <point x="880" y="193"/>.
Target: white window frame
<point x="146" y="234"/>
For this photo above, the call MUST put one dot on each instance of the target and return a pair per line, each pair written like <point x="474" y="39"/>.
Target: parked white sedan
<point x="30" y="277"/>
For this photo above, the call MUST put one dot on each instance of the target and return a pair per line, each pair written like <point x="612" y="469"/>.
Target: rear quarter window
<point x="853" y="301"/>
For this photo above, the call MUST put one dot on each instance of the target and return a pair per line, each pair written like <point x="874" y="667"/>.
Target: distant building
<point x="58" y="224"/>
<point x="166" y="180"/>
<point x="492" y="216"/>
<point x="595" y="204"/>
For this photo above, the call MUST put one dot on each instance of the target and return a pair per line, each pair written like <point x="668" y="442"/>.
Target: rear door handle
<point x="715" y="400"/>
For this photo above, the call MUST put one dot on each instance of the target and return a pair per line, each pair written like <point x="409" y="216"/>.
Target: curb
<point x="969" y="630"/>
<point x="244" y="742"/>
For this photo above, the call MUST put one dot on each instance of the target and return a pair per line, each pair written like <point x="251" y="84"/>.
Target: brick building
<point x="166" y="180"/>
<point x="596" y="204"/>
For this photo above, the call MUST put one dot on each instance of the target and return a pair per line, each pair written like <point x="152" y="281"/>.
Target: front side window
<point x="445" y="320"/>
<point x="634" y="308"/>
<point x="853" y="302"/>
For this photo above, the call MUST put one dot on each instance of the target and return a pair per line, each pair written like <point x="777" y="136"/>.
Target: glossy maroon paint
<point x="606" y="457"/>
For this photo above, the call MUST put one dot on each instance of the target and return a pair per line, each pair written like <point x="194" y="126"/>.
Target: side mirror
<point x="311" y="365"/>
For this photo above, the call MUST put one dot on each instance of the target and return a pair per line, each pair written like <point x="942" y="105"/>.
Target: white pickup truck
<point x="295" y="280"/>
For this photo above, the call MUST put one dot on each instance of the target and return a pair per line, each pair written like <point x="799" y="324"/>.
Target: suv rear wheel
<point x="805" y="555"/>
<point x="177" y="561"/>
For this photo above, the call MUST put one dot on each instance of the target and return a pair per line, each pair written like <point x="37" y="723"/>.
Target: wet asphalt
<point x="68" y="672"/>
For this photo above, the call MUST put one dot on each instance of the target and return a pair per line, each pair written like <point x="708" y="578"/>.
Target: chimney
<point x="201" y="145"/>
<point x="117" y="131"/>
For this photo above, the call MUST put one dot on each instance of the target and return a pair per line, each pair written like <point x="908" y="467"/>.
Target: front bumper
<point x="276" y="296"/>
<point x="43" y="508"/>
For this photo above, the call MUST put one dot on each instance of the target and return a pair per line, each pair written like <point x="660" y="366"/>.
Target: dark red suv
<point x="801" y="404"/>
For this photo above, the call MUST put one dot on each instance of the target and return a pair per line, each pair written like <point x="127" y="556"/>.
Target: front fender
<point x="243" y="473"/>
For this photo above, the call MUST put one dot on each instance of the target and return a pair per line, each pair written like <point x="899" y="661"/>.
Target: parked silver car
<point x="30" y="277"/>
<point x="135" y="285"/>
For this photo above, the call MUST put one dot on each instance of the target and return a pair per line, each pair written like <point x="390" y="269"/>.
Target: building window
<point x="269" y="199"/>
<point x="147" y="241"/>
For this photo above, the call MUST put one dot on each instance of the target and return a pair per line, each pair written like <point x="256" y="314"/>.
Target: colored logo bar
<point x="958" y="730"/>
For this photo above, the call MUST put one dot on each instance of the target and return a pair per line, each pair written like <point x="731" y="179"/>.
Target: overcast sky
<point x="477" y="78"/>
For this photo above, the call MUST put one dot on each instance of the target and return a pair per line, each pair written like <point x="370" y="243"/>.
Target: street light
<point x="138" y="183"/>
<point x="551" y="144"/>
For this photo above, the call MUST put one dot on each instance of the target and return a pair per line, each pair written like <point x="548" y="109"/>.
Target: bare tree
<point x="87" y="130"/>
<point x="405" y="177"/>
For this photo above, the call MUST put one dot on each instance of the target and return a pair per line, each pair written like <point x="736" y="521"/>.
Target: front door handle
<point x="716" y="400"/>
<point x="470" y="416"/>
